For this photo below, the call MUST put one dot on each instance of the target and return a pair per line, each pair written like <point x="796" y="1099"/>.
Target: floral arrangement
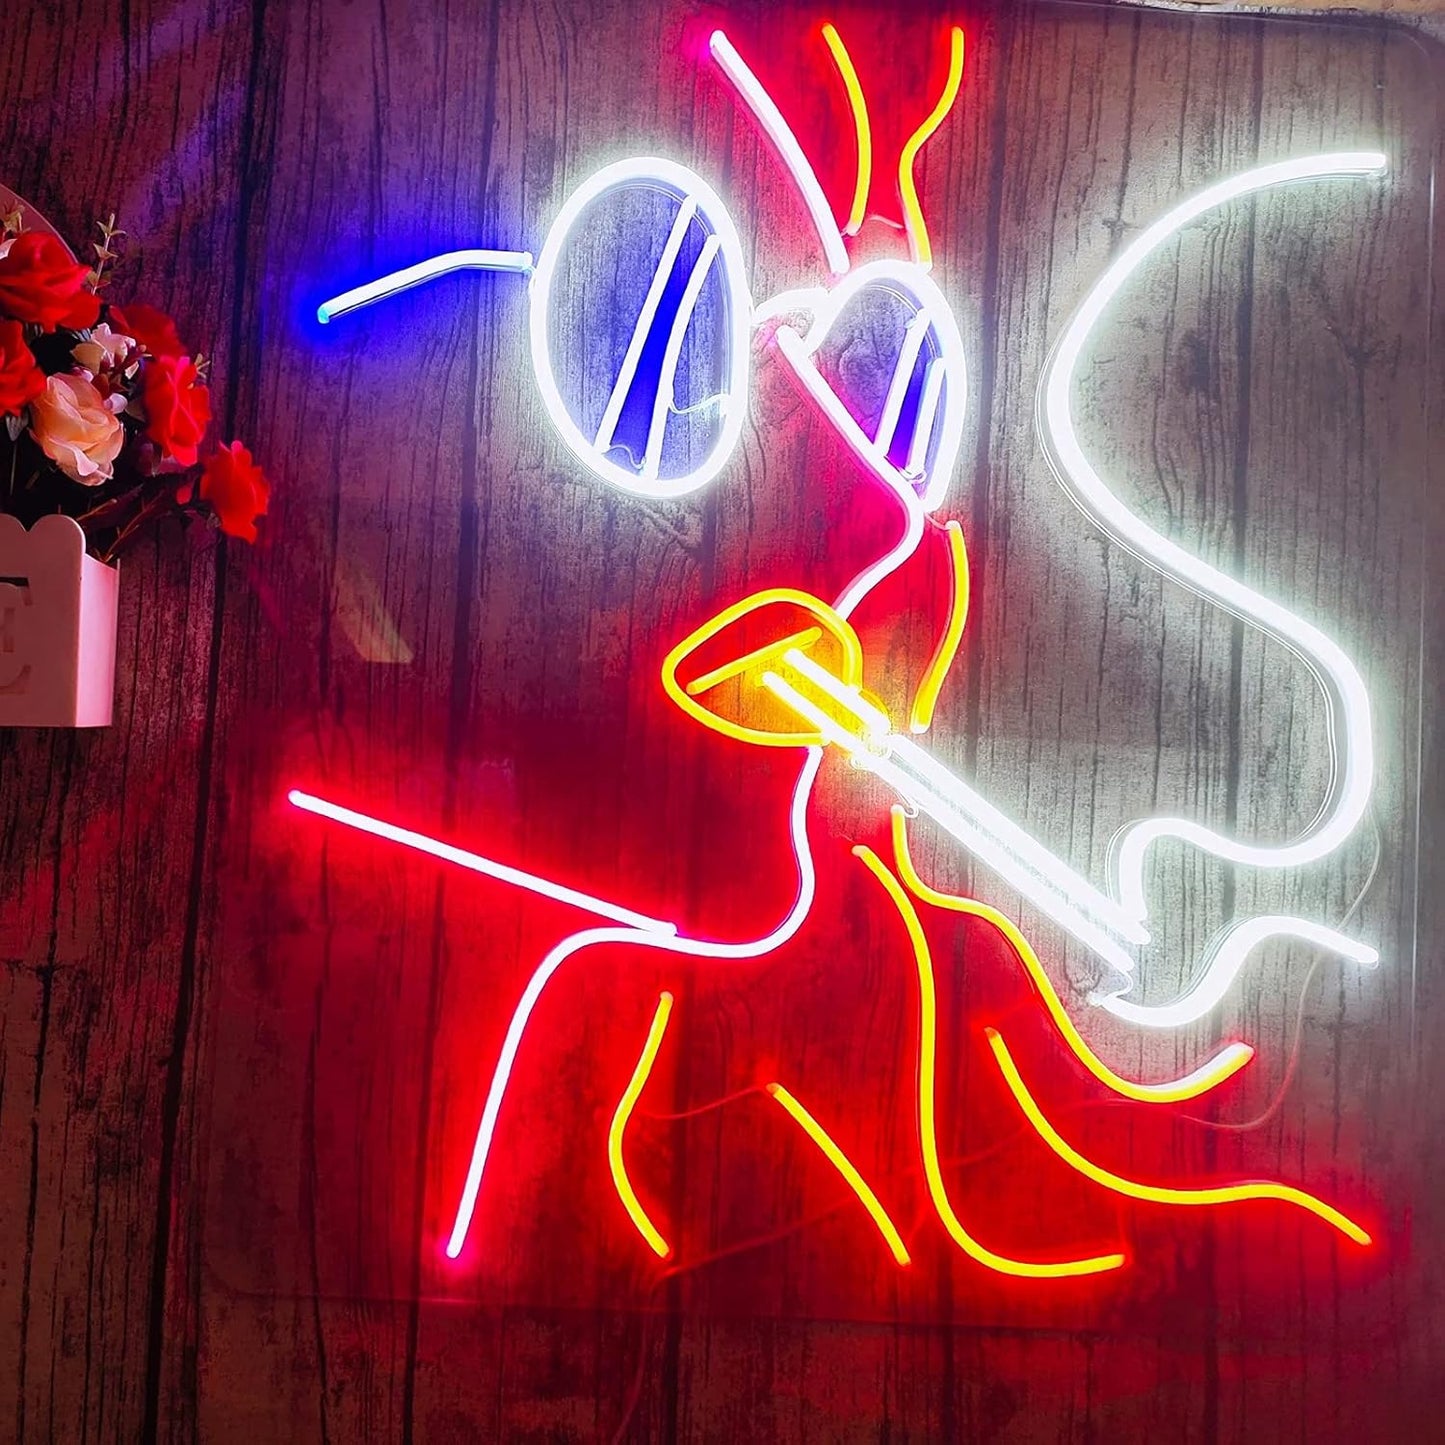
<point x="105" y="411"/>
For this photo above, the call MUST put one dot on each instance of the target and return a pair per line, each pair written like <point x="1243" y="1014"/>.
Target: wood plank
<point x="100" y="833"/>
<point x="243" y="1055"/>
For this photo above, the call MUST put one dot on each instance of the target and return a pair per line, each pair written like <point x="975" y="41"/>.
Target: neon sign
<point x="805" y="689"/>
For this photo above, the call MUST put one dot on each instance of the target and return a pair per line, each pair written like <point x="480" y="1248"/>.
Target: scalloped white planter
<point x="57" y="628"/>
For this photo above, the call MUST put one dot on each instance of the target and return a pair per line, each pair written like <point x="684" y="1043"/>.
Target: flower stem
<point x="146" y="514"/>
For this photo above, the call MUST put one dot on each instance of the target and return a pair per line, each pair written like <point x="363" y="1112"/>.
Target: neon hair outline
<point x="1345" y="695"/>
<point x="476" y="863"/>
<point x="777" y="130"/>
<point x="927" y="1131"/>
<point x="929" y="302"/>
<point x="845" y="1166"/>
<point x="913" y="222"/>
<point x="925" y="700"/>
<point x="1154" y="1193"/>
<point x="635" y="1085"/>
<point x="688" y="187"/>
<point x="1224" y="963"/>
<point x="518" y="263"/>
<point x="862" y="131"/>
<point x="1208" y="1076"/>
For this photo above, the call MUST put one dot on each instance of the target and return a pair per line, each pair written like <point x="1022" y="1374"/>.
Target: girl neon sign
<point x="805" y="688"/>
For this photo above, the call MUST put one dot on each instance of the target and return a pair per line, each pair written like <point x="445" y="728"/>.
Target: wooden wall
<point x="242" y="1056"/>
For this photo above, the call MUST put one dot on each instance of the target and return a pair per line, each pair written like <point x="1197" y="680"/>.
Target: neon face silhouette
<point x="805" y="689"/>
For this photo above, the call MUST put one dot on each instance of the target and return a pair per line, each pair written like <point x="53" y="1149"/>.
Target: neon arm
<point x="695" y="948"/>
<point x="476" y="863"/>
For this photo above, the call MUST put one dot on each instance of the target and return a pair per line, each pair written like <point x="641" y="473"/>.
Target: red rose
<point x="40" y="283"/>
<point x="236" y="489"/>
<point x="150" y="327"/>
<point x="21" y="381"/>
<point x="178" y="407"/>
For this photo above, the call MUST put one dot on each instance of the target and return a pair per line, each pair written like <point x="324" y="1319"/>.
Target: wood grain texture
<point x="241" y="1057"/>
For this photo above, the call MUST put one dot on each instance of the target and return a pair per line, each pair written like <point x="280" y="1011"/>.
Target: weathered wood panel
<point x="243" y="1057"/>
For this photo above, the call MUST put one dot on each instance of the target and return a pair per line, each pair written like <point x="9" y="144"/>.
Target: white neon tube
<point x="696" y="948"/>
<point x="781" y="134"/>
<point x="915" y="334"/>
<point x="874" y="720"/>
<point x="923" y="428"/>
<point x="1223" y="968"/>
<point x="935" y="317"/>
<point x="690" y="189"/>
<point x="642" y="329"/>
<point x="476" y="863"/>
<point x="1349" y="704"/>
<point x="663" y="402"/>
<point x="929" y="777"/>
<point x="986" y="834"/>
<point x="517" y="263"/>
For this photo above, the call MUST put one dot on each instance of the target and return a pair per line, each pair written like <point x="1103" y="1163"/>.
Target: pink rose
<point x="76" y="429"/>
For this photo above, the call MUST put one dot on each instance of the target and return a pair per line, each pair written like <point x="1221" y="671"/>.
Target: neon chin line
<point x="517" y="263"/>
<point x="1349" y="704"/>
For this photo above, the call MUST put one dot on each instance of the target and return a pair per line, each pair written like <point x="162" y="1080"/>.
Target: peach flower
<point x="76" y="429"/>
<point x="105" y="350"/>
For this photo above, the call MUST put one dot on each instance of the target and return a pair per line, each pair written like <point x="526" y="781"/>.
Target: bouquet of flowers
<point x="105" y="410"/>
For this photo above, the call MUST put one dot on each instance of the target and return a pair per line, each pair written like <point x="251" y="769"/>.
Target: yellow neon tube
<point x="1154" y="1193"/>
<point x="840" y="1161"/>
<point x="862" y="130"/>
<point x="913" y="221"/>
<point x="625" y="1192"/>
<point x="850" y="669"/>
<point x="1227" y="1062"/>
<point x="927" y="699"/>
<point x="760" y="658"/>
<point x="928" y="1138"/>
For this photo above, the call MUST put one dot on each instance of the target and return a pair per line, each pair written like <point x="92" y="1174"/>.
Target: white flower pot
<point x="57" y="628"/>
